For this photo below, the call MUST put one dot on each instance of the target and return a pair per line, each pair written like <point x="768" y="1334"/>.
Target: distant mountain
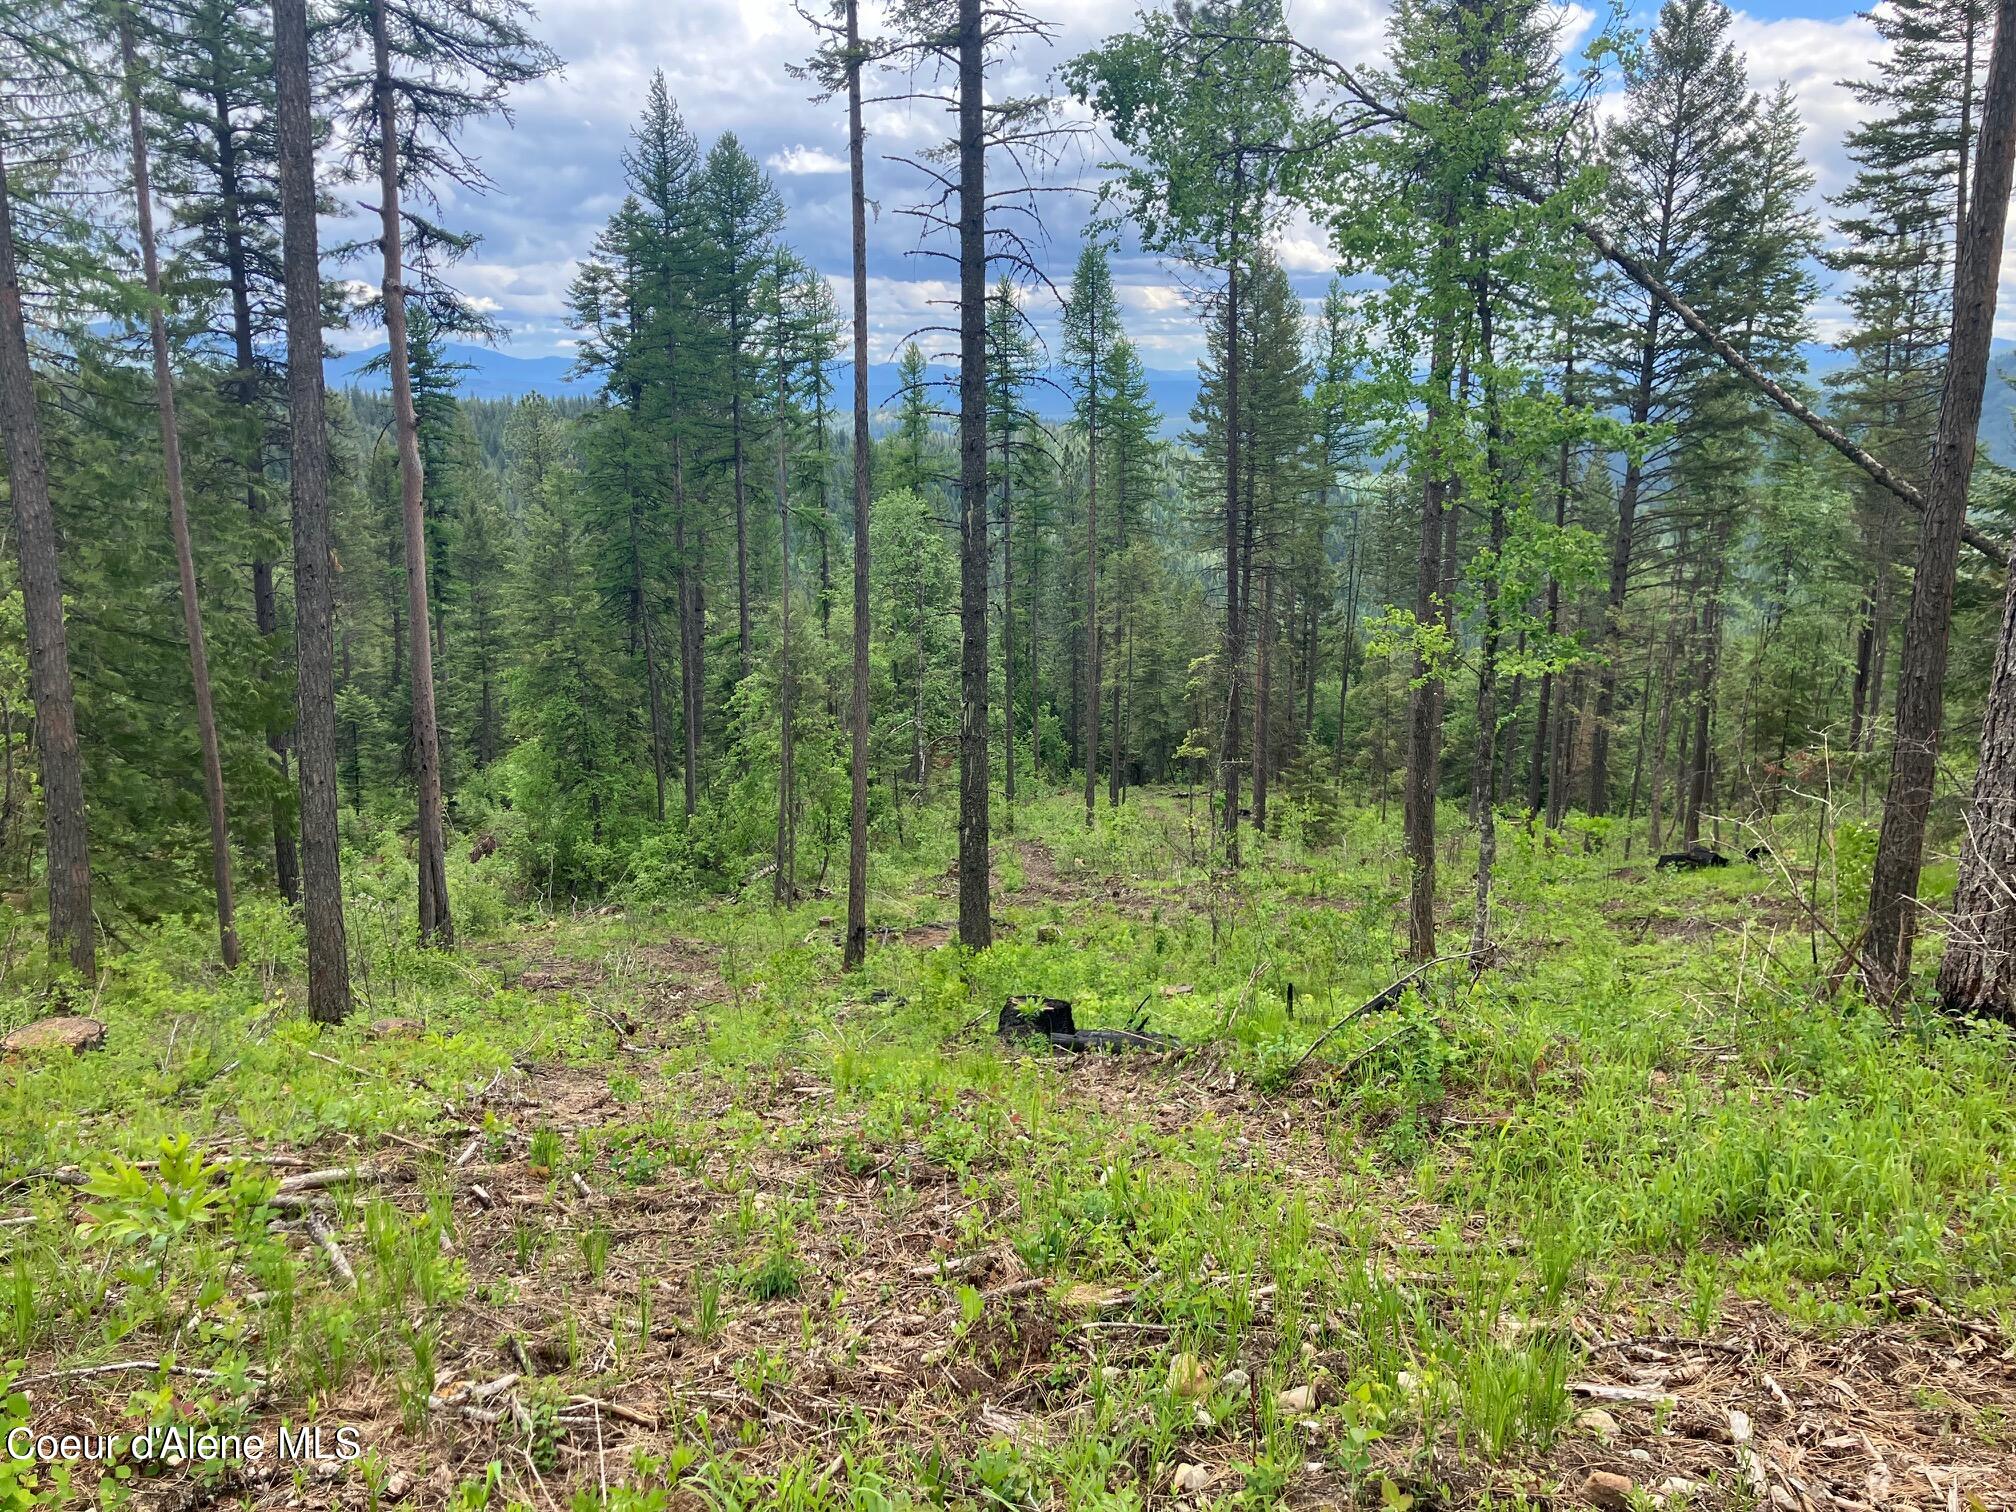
<point x="490" y="374"/>
<point x="500" y="375"/>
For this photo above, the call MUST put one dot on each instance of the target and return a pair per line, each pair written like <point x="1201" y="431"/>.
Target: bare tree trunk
<point x="437" y="926"/>
<point x="650" y="667"/>
<point x="691" y="680"/>
<point x="265" y="609"/>
<point x="1921" y="675"/>
<point x="976" y="920"/>
<point x="178" y="510"/>
<point x="1978" y="974"/>
<point x="314" y="559"/>
<point x="785" y="879"/>
<point x="856" y="947"/>
<point x="55" y="699"/>
<point x="1263" y="696"/>
<point x="1235" y="618"/>
<point x="1424" y="698"/>
<point x="1088" y="708"/>
<point x="1007" y="633"/>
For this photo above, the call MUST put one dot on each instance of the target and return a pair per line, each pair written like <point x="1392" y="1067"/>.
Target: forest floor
<point x="658" y="1209"/>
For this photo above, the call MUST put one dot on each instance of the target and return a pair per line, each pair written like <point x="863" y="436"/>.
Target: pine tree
<point x="178" y="509"/>
<point x="44" y="136"/>
<point x="314" y="648"/>
<point x="439" y="64"/>
<point x="218" y="171"/>
<point x="1091" y="327"/>
<point x="1204" y="101"/>
<point x="740" y="216"/>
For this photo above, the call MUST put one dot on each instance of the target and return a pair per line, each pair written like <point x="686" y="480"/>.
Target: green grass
<point x="838" y="1249"/>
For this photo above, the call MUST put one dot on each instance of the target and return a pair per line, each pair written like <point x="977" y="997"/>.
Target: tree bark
<point x="1263" y="696"/>
<point x="1007" y="632"/>
<point x="856" y="947"/>
<point x="976" y="921"/>
<point x="178" y="509"/>
<point x="1235" y="619"/>
<point x="1088" y="708"/>
<point x="1424" y="697"/>
<point x="66" y="837"/>
<point x="1921" y="674"/>
<point x="784" y="886"/>
<point x="437" y="926"/>
<point x="1978" y="974"/>
<point x="314" y="558"/>
<point x="657" y="707"/>
<point x="265" y="608"/>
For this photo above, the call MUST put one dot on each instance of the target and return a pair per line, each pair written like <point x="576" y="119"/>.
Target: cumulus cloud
<point x="557" y="172"/>
<point x="802" y="159"/>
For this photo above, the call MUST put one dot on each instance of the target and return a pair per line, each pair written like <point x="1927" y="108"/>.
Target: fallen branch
<point x="1598" y="1391"/>
<point x="318" y="1226"/>
<point x="615" y="1410"/>
<point x="119" y="1366"/>
<point x="1385" y="998"/>
<point x="316" y="1181"/>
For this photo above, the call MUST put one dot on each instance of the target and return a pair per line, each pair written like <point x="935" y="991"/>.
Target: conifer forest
<point x="883" y="754"/>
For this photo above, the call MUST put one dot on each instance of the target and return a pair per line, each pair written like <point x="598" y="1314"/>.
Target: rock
<point x="1234" y="1380"/>
<point x="825" y="921"/>
<point x="1680" y="1486"/>
<point x="395" y="1028"/>
<point x="1597" y="1423"/>
<point x="1296" y="1399"/>
<point x="70" y="1032"/>
<point x="1189" y="1478"/>
<point x="1188" y="1377"/>
<point x="1608" y="1490"/>
<point x="398" y="1486"/>
<point x="1050" y="934"/>
<point x="1202" y="1418"/>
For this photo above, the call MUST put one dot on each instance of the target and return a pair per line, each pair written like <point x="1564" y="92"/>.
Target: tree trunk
<point x="1978" y="974"/>
<point x="976" y="921"/>
<point x="314" y="557"/>
<point x="265" y="608"/>
<point x="691" y="682"/>
<point x="1235" y="620"/>
<point x="55" y="699"/>
<point x="856" y="947"/>
<point x="1007" y="634"/>
<point x="1921" y="674"/>
<point x="178" y="510"/>
<point x="437" y="926"/>
<point x="657" y="707"/>
<point x="1088" y="708"/>
<point x="1424" y="698"/>
<point x="785" y="879"/>
<point x="1263" y="696"/>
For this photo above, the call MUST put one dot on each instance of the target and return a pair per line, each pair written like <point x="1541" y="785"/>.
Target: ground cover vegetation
<point x="508" y="904"/>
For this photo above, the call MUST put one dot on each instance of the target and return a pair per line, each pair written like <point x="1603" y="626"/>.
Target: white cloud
<point x="801" y="159"/>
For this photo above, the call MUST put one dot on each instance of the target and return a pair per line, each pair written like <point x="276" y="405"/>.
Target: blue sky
<point x="558" y="176"/>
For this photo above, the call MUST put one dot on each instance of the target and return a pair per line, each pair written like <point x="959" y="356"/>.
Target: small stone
<point x="1606" y="1489"/>
<point x="1109" y="1372"/>
<point x="1597" y="1423"/>
<point x="1234" y="1380"/>
<point x="1189" y="1478"/>
<point x="1202" y="1418"/>
<point x="395" y="1028"/>
<point x="398" y="1486"/>
<point x="1188" y="1377"/>
<point x="1679" y="1485"/>
<point x="70" y="1032"/>
<point x="1050" y="934"/>
<point x="1296" y="1399"/>
<point x="825" y="921"/>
